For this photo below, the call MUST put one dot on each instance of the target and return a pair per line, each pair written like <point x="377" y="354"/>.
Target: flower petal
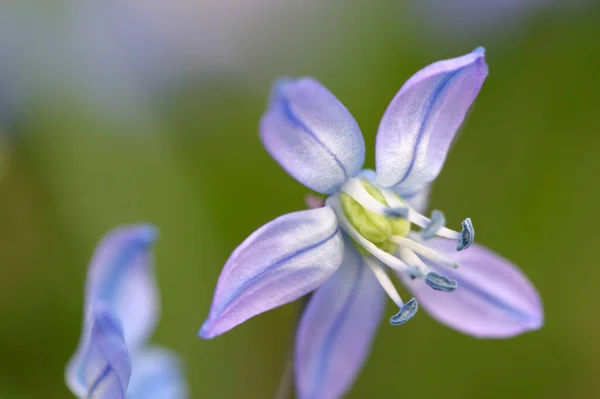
<point x="337" y="329"/>
<point x="419" y="125"/>
<point x="157" y="374"/>
<point x="121" y="275"/>
<point x="312" y="135"/>
<point x="102" y="368"/>
<point x="280" y="262"/>
<point x="494" y="299"/>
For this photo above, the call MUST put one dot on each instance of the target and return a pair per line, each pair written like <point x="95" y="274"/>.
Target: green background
<point x="525" y="169"/>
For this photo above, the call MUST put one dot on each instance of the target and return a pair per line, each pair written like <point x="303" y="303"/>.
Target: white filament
<point x="384" y="281"/>
<point x="415" y="217"/>
<point x="411" y="258"/>
<point x="424" y="251"/>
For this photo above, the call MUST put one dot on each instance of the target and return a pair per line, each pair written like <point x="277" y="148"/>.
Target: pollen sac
<point x="375" y="227"/>
<point x="407" y="311"/>
<point x="414" y="272"/>
<point x="467" y="235"/>
<point x="438" y="220"/>
<point x="440" y="283"/>
<point x="398" y="212"/>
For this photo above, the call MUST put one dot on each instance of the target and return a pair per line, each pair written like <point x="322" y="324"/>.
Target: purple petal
<point x="419" y="125"/>
<point x="121" y="275"/>
<point x="280" y="262"/>
<point x="157" y="374"/>
<point x="337" y="329"/>
<point x="312" y="135"/>
<point x="103" y="369"/>
<point x="494" y="299"/>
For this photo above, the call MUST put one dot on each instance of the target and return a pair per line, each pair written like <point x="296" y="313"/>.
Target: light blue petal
<point x="103" y="368"/>
<point x="157" y="374"/>
<point x="494" y="299"/>
<point x="121" y="274"/>
<point x="280" y="262"/>
<point x="419" y="125"/>
<point x="337" y="329"/>
<point x="312" y="135"/>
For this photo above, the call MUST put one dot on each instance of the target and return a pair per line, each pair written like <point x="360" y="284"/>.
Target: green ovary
<point x="374" y="227"/>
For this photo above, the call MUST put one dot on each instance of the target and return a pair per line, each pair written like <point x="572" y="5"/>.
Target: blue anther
<point x="407" y="311"/>
<point x="438" y="220"/>
<point x="467" y="235"/>
<point x="414" y="272"/>
<point x="399" y="212"/>
<point x="440" y="283"/>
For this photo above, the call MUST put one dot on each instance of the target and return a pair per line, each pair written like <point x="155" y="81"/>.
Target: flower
<point x="461" y="19"/>
<point x="121" y="311"/>
<point x="341" y="250"/>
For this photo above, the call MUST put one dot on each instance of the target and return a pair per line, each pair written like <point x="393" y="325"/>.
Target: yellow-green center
<point x="374" y="227"/>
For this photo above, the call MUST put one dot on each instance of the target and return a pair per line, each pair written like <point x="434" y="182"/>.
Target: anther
<point x="414" y="272"/>
<point x="438" y="220"/>
<point x="397" y="212"/>
<point x="440" y="283"/>
<point x="467" y="235"/>
<point x="407" y="311"/>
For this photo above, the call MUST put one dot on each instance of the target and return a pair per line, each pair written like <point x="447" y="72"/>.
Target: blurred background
<point x="121" y="111"/>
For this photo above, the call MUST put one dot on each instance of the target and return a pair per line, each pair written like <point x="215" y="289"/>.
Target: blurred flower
<point x="119" y="58"/>
<point x="342" y="247"/>
<point x="466" y="18"/>
<point x="121" y="311"/>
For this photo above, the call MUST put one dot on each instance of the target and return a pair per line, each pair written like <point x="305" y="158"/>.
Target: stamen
<point x="392" y="198"/>
<point x="406" y="313"/>
<point x="424" y="251"/>
<point x="440" y="283"/>
<point x="434" y="280"/>
<point x="414" y="272"/>
<point x="359" y="193"/>
<point x="388" y="259"/>
<point x="467" y="235"/>
<point x="384" y="281"/>
<point x="438" y="220"/>
<point x="397" y="212"/>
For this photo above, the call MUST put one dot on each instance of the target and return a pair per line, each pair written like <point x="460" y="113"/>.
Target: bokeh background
<point x="122" y="111"/>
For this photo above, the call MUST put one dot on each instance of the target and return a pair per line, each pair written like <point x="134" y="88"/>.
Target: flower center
<point x="375" y="227"/>
<point x="379" y="223"/>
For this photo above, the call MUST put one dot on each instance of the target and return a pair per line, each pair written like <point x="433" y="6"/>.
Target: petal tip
<point x="479" y="51"/>
<point x="207" y="330"/>
<point x="478" y="59"/>
<point x="148" y="233"/>
<point x="537" y="319"/>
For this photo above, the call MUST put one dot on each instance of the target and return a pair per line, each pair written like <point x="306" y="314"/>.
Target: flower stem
<point x="285" y="389"/>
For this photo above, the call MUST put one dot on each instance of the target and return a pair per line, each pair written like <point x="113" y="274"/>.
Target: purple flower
<point x="344" y="249"/>
<point x="121" y="311"/>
